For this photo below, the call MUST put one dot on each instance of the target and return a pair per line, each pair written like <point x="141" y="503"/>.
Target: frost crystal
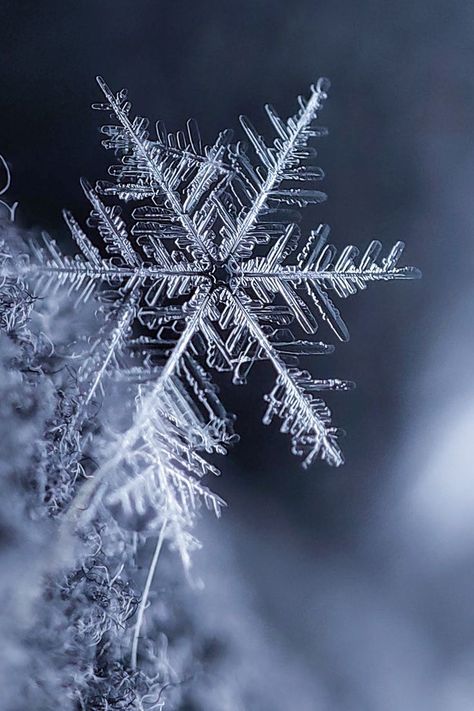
<point x="201" y="266"/>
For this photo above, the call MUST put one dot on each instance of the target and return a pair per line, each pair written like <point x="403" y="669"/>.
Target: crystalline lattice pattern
<point x="199" y="266"/>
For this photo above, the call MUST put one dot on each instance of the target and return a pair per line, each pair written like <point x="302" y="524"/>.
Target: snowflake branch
<point x="107" y="351"/>
<point x="292" y="135"/>
<point x="302" y="404"/>
<point x="89" y="492"/>
<point x="318" y="272"/>
<point x="83" y="275"/>
<point x="148" y="156"/>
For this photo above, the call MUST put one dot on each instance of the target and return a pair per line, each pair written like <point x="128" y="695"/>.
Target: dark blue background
<point x="399" y="163"/>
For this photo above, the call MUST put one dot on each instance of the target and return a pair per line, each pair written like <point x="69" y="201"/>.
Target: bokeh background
<point x="347" y="589"/>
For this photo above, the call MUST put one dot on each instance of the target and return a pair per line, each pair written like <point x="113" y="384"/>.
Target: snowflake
<point x="202" y="261"/>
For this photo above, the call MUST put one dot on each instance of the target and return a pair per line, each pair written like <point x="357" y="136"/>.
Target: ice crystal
<point x="198" y="265"/>
<point x="201" y="266"/>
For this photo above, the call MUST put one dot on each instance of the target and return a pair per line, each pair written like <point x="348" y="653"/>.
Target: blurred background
<point x="343" y="589"/>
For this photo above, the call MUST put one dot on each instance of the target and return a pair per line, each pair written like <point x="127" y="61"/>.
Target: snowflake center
<point x="221" y="273"/>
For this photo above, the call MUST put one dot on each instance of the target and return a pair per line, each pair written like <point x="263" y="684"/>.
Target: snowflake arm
<point x="145" y="170"/>
<point x="51" y="270"/>
<point x="160" y="482"/>
<point x="317" y="272"/>
<point x="305" y="417"/>
<point x="106" y="350"/>
<point x="89" y="495"/>
<point x="281" y="162"/>
<point x="111" y="227"/>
